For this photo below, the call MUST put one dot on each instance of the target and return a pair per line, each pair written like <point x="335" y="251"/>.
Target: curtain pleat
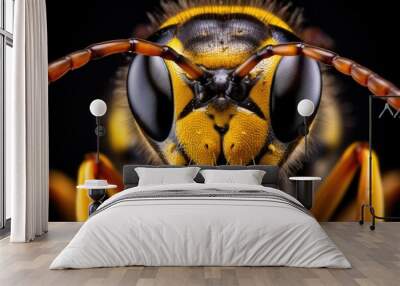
<point x="27" y="119"/>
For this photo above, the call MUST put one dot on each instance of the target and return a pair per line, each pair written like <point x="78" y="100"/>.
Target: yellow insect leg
<point x="90" y="170"/>
<point x="334" y="187"/>
<point x="363" y="187"/>
<point x="61" y="196"/>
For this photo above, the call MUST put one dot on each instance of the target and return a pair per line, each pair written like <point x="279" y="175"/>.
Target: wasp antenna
<point x="75" y="60"/>
<point x="360" y="74"/>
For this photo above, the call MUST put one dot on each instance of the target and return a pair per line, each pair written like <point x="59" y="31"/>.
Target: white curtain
<point x="27" y="124"/>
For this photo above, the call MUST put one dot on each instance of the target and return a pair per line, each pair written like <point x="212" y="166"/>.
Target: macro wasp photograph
<point x="203" y="82"/>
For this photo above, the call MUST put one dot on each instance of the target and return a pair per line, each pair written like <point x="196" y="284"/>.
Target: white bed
<point x="239" y="229"/>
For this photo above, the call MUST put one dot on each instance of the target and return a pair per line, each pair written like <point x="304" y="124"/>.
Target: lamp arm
<point x="98" y="139"/>
<point x="305" y="137"/>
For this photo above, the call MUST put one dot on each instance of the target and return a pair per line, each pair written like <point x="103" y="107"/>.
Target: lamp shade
<point x="305" y="107"/>
<point x="98" y="107"/>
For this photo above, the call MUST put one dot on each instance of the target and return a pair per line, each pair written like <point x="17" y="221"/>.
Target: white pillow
<point x="248" y="177"/>
<point x="164" y="176"/>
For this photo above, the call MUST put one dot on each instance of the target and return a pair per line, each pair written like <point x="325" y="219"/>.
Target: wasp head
<point x="195" y="107"/>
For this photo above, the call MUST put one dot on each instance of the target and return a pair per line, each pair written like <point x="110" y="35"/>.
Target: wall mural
<point x="221" y="93"/>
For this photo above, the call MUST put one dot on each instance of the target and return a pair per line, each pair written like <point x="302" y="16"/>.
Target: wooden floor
<point x="375" y="257"/>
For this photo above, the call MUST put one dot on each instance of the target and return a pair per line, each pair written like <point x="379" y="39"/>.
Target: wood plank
<point x="375" y="257"/>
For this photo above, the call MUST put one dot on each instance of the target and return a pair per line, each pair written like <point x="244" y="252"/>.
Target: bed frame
<point x="271" y="177"/>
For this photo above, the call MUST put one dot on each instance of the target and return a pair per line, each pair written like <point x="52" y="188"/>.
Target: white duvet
<point x="200" y="231"/>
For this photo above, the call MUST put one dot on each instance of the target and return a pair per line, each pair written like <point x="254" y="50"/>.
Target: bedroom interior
<point x="199" y="142"/>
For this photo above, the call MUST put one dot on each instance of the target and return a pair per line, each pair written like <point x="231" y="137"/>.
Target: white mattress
<point x="200" y="231"/>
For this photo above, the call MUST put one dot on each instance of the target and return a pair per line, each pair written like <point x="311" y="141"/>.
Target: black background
<point x="366" y="31"/>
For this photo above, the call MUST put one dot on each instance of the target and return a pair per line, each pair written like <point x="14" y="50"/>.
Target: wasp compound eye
<point x="150" y="96"/>
<point x="150" y="92"/>
<point x="296" y="78"/>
